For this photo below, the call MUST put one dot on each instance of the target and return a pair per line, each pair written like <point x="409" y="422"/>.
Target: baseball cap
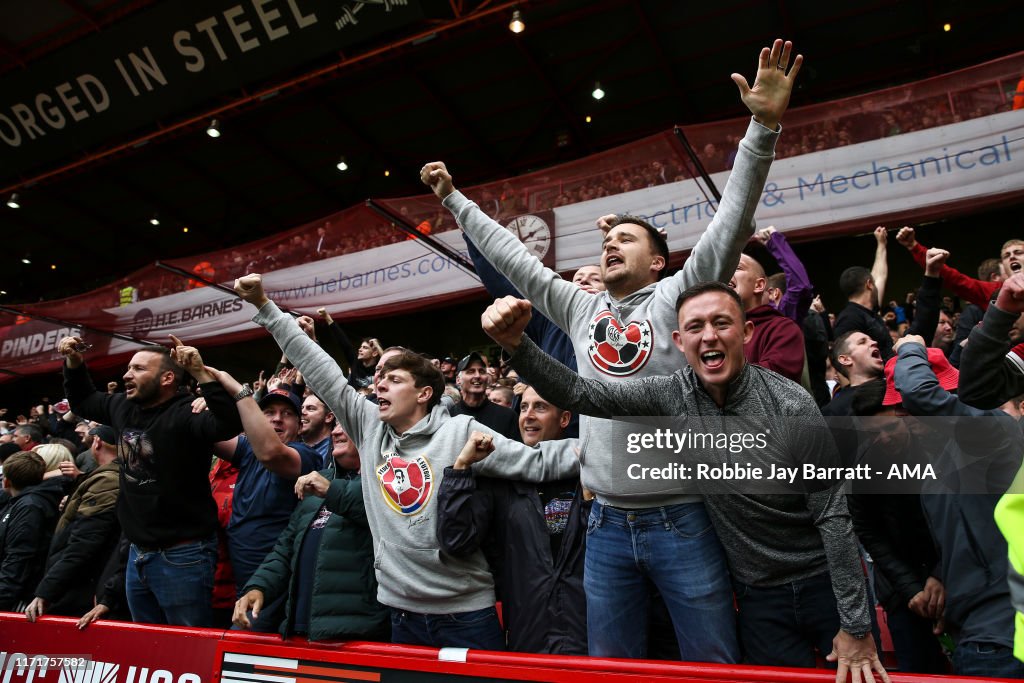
<point x="948" y="376"/>
<point x="474" y="356"/>
<point x="282" y="395"/>
<point x="106" y="433"/>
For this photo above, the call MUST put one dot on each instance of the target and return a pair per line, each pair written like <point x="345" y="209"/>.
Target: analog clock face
<point x="532" y="231"/>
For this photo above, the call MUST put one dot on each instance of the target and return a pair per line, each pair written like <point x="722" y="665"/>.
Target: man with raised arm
<point x="793" y="556"/>
<point x="623" y="333"/>
<point x="165" y="507"/>
<point x="405" y="441"/>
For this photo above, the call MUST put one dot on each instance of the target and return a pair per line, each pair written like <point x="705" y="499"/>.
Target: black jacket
<point x="543" y="603"/>
<point x="165" y="458"/>
<point x="81" y="548"/>
<point x="26" y="528"/>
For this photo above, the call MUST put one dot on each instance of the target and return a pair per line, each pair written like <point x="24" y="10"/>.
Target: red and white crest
<point x="406" y="484"/>
<point x="616" y="351"/>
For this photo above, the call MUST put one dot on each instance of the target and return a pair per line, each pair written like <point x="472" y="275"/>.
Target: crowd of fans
<point x="367" y="491"/>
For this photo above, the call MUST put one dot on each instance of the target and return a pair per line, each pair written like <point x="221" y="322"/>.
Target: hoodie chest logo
<point x="618" y="351"/>
<point x="406" y="485"/>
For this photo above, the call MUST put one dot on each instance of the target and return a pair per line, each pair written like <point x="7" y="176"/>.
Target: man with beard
<point x="315" y="426"/>
<point x="164" y="505"/>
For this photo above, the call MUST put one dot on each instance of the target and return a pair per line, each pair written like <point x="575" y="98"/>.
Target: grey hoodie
<point x="645" y="318"/>
<point x="401" y="474"/>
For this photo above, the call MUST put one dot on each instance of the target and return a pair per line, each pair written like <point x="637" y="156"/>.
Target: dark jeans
<point x="172" y="585"/>
<point x="917" y="649"/>
<point x="477" y="630"/>
<point x="986" y="659"/>
<point x="784" y="625"/>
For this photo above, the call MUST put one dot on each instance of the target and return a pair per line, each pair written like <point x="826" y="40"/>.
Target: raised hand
<point x="604" y="223"/>
<point x="307" y="326"/>
<point x="906" y="237"/>
<point x="933" y="261"/>
<point x="68" y="347"/>
<point x="505" y="320"/>
<point x="881" y="235"/>
<point x="435" y="175"/>
<point x="768" y="99"/>
<point x="250" y="288"/>
<point x="762" y="236"/>
<point x="1011" y="294"/>
<point x="478" y="446"/>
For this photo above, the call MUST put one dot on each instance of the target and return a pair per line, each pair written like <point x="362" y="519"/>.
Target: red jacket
<point x="977" y="292"/>
<point x="777" y="343"/>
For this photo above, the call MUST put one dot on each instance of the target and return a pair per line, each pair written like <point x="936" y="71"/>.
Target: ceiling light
<point x="27" y="261"/>
<point x="598" y="93"/>
<point x="13" y="201"/>
<point x="3" y="292"/>
<point x="184" y="229"/>
<point x="53" y="266"/>
<point x="214" y="129"/>
<point x="342" y="164"/>
<point x="588" y="119"/>
<point x="947" y="27"/>
<point x="516" y="25"/>
<point x="387" y="173"/>
<point x="155" y="220"/>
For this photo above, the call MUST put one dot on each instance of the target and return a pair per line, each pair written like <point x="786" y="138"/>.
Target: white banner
<point x="973" y="159"/>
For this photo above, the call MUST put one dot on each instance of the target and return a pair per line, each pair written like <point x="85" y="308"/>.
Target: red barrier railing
<point x="50" y="649"/>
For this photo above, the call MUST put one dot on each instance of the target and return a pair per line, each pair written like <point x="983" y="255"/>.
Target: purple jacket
<point x="799" y="290"/>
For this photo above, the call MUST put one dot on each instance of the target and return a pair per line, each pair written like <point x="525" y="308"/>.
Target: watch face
<point x="532" y="231"/>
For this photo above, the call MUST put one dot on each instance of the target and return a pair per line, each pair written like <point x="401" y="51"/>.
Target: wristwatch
<point x="244" y="392"/>
<point x="860" y="636"/>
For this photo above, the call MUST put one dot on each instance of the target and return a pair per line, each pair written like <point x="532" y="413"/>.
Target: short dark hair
<point x="853" y="280"/>
<point x="167" y="363"/>
<point x="777" y="281"/>
<point x="423" y="372"/>
<point x="839" y="348"/>
<point x="709" y="287"/>
<point x="658" y="241"/>
<point x="24" y="469"/>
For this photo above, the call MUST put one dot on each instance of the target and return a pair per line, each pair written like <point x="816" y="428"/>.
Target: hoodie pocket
<point x="428" y="573"/>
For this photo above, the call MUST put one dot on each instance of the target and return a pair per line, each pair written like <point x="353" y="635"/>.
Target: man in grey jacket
<point x="793" y="557"/>
<point x="405" y="441"/>
<point x="625" y="333"/>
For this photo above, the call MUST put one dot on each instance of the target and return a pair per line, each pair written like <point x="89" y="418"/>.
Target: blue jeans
<point x="784" y="625"/>
<point x="986" y="659"/>
<point x="173" y="585"/>
<point x="677" y="550"/>
<point x="477" y="630"/>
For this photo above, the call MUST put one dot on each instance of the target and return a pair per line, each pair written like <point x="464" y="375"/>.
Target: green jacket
<point x="344" y="602"/>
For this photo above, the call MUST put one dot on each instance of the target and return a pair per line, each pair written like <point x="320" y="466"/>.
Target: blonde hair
<point x="53" y="454"/>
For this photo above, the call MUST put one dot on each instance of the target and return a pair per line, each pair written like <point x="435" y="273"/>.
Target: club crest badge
<point x="406" y="485"/>
<point x="616" y="351"/>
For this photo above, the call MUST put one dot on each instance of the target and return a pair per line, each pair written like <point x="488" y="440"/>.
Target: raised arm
<point x="926" y="318"/>
<point x="557" y="299"/>
<point x="990" y="372"/>
<point x="357" y="415"/>
<point x="504" y="321"/>
<point x="221" y="421"/>
<point x="880" y="268"/>
<point x="799" y="291"/>
<point x="716" y="253"/>
<point x="973" y="290"/>
<point x="85" y="401"/>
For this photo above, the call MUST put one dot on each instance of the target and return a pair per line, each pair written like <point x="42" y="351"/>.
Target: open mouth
<point x="1015" y="266"/>
<point x="876" y="354"/>
<point x="383" y="403"/>
<point x="612" y="261"/>
<point x="712" y="359"/>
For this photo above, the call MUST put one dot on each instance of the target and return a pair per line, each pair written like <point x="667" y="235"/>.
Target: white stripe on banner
<point x="239" y="677"/>
<point x="236" y="658"/>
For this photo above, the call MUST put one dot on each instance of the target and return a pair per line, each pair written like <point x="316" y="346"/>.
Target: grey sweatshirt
<point x="401" y="474"/>
<point x="646" y="318"/>
<point x="769" y="539"/>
